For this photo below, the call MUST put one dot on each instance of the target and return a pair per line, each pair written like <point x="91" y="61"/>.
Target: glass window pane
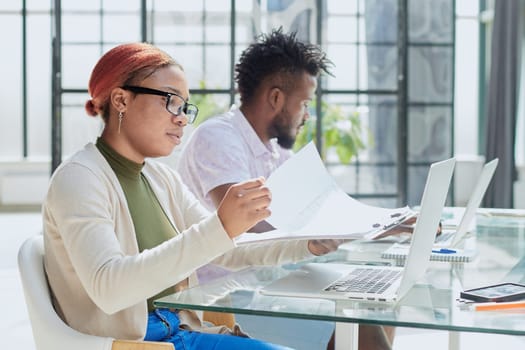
<point x="358" y="179"/>
<point x="77" y="127"/>
<point x="120" y="5"/>
<point x="77" y="63"/>
<point x="430" y="21"/>
<point x="417" y="176"/>
<point x="293" y="16"/>
<point x="430" y="75"/>
<point x="75" y="5"/>
<point x="380" y="21"/>
<point x="245" y="34"/>
<point x="382" y="116"/>
<point x="344" y="58"/>
<point x="378" y="67"/>
<point x="32" y="5"/>
<point x="191" y="58"/>
<point x="181" y="6"/>
<point x="218" y="70"/>
<point x="10" y="70"/>
<point x="466" y="98"/>
<point x="74" y="28"/>
<point x="11" y="5"/>
<point x="39" y="85"/>
<point x="217" y="28"/>
<point x="221" y="5"/>
<point x="177" y="28"/>
<point x="339" y="7"/>
<point x="245" y="6"/>
<point x="467" y="8"/>
<point x="341" y="29"/>
<point x="121" y="28"/>
<point x="429" y="134"/>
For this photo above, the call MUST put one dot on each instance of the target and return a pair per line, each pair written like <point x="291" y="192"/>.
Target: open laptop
<point x="452" y="237"/>
<point x="387" y="283"/>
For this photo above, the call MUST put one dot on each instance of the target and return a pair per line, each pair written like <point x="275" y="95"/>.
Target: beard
<point x="286" y="141"/>
<point x="282" y="130"/>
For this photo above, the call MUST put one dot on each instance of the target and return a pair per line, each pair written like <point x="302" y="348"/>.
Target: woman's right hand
<point x="244" y="205"/>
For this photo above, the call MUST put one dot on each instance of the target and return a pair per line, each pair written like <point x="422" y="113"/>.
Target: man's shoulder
<point x="221" y="128"/>
<point x="219" y="123"/>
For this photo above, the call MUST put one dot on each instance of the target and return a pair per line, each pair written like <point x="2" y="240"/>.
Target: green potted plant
<point x="343" y="133"/>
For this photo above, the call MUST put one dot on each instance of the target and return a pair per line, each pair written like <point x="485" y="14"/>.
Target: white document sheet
<point x="308" y="204"/>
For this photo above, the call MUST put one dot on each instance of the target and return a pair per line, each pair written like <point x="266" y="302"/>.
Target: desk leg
<point x="453" y="340"/>
<point x="346" y="336"/>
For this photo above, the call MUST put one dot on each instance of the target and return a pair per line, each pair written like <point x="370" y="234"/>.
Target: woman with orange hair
<point x="121" y="230"/>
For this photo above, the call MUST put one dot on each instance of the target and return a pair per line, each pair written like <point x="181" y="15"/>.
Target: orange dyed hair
<point x="122" y="65"/>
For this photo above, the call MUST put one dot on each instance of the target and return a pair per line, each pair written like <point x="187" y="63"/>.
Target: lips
<point x="175" y="135"/>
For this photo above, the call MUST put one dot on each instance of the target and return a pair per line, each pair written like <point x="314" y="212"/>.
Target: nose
<point x="181" y="119"/>
<point x="306" y="114"/>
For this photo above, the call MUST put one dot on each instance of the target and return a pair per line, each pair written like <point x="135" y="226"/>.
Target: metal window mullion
<point x="402" y="91"/>
<point x="453" y="93"/>
<point x="143" y="21"/>
<point x="24" y="80"/>
<point x="233" y="23"/>
<point x="56" y="88"/>
<point x="319" y="91"/>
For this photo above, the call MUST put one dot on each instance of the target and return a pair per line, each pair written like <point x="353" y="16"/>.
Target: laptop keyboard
<point x="365" y="280"/>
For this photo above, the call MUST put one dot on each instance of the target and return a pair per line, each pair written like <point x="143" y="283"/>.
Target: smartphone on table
<point x="495" y="293"/>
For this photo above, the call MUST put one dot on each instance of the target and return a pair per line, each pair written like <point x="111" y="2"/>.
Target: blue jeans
<point x="163" y="325"/>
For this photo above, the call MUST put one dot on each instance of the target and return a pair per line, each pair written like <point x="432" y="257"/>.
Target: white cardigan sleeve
<point x="90" y="219"/>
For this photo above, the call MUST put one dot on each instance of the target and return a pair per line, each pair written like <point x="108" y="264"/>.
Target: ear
<point x="119" y="99"/>
<point x="276" y="99"/>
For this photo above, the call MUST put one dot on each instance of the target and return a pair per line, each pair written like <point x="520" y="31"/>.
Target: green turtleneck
<point x="152" y="226"/>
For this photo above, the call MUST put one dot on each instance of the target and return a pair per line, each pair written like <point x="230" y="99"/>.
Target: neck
<point x="118" y="143"/>
<point x="259" y="119"/>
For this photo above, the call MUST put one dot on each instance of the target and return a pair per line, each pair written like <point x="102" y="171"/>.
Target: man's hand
<point x="244" y="205"/>
<point x="324" y="246"/>
<point x="405" y="227"/>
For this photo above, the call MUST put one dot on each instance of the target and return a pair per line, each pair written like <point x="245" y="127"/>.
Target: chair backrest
<point x="49" y="331"/>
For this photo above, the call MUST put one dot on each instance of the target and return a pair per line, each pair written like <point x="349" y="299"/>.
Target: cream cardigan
<point x="98" y="279"/>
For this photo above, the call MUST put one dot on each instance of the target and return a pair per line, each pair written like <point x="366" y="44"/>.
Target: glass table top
<point x="431" y="303"/>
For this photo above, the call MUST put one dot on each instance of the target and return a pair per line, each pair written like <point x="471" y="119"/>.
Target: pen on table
<point x="499" y="305"/>
<point x="444" y="251"/>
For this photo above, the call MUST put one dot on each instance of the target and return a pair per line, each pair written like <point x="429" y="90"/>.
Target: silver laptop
<point x="385" y="283"/>
<point x="452" y="237"/>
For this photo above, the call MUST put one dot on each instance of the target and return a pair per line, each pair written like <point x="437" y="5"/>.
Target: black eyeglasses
<point x="175" y="106"/>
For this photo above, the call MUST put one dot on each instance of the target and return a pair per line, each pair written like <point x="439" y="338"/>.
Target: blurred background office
<point x="416" y="81"/>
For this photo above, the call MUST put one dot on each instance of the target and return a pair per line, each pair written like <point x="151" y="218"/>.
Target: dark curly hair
<point x="277" y="56"/>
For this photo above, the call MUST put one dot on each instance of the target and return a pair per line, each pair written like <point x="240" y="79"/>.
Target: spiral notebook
<point x="399" y="251"/>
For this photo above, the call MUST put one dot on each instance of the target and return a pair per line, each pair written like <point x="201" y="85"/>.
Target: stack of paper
<point x="308" y="204"/>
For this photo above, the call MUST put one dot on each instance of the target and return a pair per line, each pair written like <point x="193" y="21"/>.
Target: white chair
<point x="49" y="331"/>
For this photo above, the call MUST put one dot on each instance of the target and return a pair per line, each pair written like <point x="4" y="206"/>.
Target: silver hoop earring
<point x="120" y="116"/>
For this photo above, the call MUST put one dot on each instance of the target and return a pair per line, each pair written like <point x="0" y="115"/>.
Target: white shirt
<point x="226" y="149"/>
